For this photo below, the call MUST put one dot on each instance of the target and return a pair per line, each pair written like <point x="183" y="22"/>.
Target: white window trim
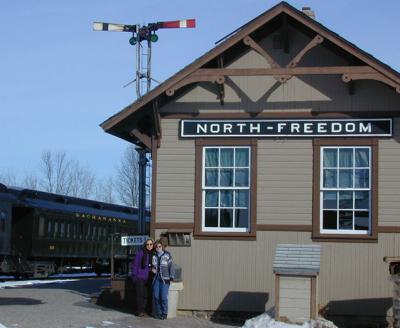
<point x="321" y="189"/>
<point x="203" y="192"/>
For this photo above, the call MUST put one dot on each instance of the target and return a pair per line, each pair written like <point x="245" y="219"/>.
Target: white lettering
<point x="241" y="125"/>
<point x="336" y="127"/>
<point x="350" y="127"/>
<point x="255" y="127"/>
<point x="281" y="126"/>
<point x="202" y="128"/>
<point x="214" y="128"/>
<point x="295" y="127"/>
<point x="365" y="127"/>
<point x="308" y="127"/>
<point x="321" y="127"/>
<point x="227" y="128"/>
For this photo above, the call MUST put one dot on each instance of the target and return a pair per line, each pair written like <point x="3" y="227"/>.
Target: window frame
<point x="220" y="188"/>
<point x="318" y="233"/>
<point x="200" y="231"/>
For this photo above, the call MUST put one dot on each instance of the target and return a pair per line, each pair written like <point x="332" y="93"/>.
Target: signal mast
<point x="139" y="34"/>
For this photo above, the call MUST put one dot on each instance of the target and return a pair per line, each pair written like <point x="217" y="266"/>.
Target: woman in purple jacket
<point x="142" y="278"/>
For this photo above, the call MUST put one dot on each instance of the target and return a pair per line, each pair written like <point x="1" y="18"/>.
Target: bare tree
<point x="105" y="191"/>
<point x="62" y="175"/>
<point x="8" y="178"/>
<point x="81" y="181"/>
<point x="30" y="181"/>
<point x="127" y="178"/>
<point x="55" y="169"/>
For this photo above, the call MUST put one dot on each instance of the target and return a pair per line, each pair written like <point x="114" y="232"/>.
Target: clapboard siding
<point x="175" y="176"/>
<point x="295" y="298"/>
<point x="284" y="182"/>
<point x="350" y="272"/>
<point x="389" y="178"/>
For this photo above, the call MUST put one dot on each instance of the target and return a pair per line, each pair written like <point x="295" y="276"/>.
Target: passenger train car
<point x="43" y="233"/>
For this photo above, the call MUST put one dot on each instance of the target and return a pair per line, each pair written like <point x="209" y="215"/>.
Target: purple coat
<point x="136" y="268"/>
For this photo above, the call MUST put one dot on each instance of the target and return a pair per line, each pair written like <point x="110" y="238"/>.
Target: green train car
<point x="43" y="233"/>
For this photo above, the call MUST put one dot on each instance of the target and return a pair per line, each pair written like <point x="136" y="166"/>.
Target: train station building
<point x="284" y="133"/>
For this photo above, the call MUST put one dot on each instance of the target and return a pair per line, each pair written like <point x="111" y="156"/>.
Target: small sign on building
<point x="133" y="240"/>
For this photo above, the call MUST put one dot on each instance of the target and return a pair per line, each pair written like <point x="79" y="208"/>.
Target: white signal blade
<point x="100" y="26"/>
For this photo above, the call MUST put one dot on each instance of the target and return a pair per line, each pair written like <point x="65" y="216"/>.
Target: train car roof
<point x="45" y="200"/>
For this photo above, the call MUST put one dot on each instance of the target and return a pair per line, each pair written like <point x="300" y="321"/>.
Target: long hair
<point x="146" y="258"/>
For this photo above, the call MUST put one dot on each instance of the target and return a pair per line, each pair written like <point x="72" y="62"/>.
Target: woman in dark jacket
<point x="142" y="278"/>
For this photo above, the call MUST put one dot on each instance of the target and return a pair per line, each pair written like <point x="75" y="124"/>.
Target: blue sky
<point x="59" y="80"/>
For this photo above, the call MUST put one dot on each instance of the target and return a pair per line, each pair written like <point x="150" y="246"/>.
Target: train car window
<point x="94" y="232"/>
<point x="81" y="230"/>
<point x="55" y="228"/>
<point x="2" y="221"/>
<point x="89" y="232"/>
<point x="41" y="226"/>
<point x="68" y="229"/>
<point x="49" y="227"/>
<point x="62" y="228"/>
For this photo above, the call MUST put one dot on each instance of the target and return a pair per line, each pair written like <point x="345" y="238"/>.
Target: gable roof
<point x="236" y="37"/>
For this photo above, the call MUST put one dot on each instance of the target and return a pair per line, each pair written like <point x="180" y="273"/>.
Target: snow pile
<point x="265" y="321"/>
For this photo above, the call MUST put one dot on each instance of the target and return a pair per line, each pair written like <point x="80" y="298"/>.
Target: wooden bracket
<point x="219" y="79"/>
<point x="371" y="76"/>
<point x="255" y="46"/>
<point x="221" y="86"/>
<point x="313" y="43"/>
<point x="143" y="138"/>
<point x="157" y="120"/>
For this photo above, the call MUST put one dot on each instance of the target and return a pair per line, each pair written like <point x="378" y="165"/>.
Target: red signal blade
<point x="184" y="23"/>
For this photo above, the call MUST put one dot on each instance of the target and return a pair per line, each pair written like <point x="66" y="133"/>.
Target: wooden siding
<point x="295" y="298"/>
<point x="175" y="176"/>
<point x="238" y="275"/>
<point x="284" y="183"/>
<point x="389" y="179"/>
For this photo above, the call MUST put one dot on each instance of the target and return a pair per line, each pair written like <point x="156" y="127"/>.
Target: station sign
<point x="133" y="240"/>
<point x="372" y="127"/>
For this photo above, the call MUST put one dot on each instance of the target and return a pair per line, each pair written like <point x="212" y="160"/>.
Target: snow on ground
<point x="265" y="321"/>
<point x="19" y="283"/>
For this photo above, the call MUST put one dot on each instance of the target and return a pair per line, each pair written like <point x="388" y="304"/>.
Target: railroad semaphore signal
<point x="139" y="34"/>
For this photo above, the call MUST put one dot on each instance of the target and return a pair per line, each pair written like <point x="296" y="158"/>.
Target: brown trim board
<point x="154" y="151"/>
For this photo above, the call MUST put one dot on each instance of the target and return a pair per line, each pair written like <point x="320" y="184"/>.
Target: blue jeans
<point x="160" y="294"/>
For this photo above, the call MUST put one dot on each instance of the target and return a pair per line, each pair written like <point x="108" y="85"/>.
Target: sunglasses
<point x="149" y="244"/>
<point x="158" y="246"/>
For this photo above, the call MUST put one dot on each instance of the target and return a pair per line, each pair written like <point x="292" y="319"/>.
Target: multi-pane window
<point x="226" y="189"/>
<point x="345" y="191"/>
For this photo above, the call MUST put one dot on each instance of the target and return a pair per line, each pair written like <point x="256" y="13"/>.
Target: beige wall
<point x="238" y="275"/>
<point x="389" y="179"/>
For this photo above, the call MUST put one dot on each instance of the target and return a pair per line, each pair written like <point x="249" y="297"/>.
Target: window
<point x="3" y="217"/>
<point x="225" y="188"/>
<point x="345" y="189"/>
<point x="41" y="226"/>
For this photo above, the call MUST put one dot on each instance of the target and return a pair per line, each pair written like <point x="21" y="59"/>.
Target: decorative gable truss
<point x="283" y="74"/>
